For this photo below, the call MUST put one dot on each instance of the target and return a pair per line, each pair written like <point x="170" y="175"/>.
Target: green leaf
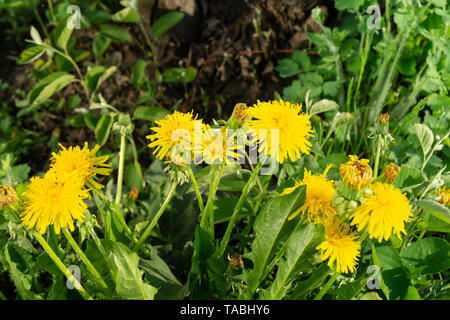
<point x="160" y="275"/>
<point x="138" y="75"/>
<point x="150" y="113"/>
<point x="439" y="3"/>
<point x="22" y="281"/>
<point x="301" y="247"/>
<point x="393" y="272"/>
<point x="48" y="86"/>
<point x="164" y="23"/>
<point x="342" y="118"/>
<point x="35" y="35"/>
<point x="267" y="228"/>
<point x="431" y="253"/>
<point x="331" y="88"/>
<point x="425" y="136"/>
<point x="435" y="208"/>
<point x="100" y="261"/>
<point x="302" y="59"/>
<point x="403" y="19"/>
<point x="180" y="74"/>
<point x="412" y="294"/>
<point x="133" y="176"/>
<point x="105" y="75"/>
<point x="435" y="225"/>
<point x="127" y="275"/>
<point x="100" y="45"/>
<point x="408" y="177"/>
<point x="126" y="15"/>
<point x="350" y="5"/>
<point x="370" y="296"/>
<point x="103" y="128"/>
<point x="316" y="279"/>
<point x="66" y="32"/>
<point x="323" y="106"/>
<point x="351" y="289"/>
<point x="92" y="77"/>
<point x="30" y="54"/>
<point x="115" y="33"/>
<point x="407" y="66"/>
<point x="287" y="68"/>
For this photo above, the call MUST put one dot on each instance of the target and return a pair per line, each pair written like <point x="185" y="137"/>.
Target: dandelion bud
<point x="7" y="196"/>
<point x="238" y="116"/>
<point x="382" y="126"/>
<point x="391" y="172"/>
<point x="134" y="193"/>
<point x="383" y="118"/>
<point x="56" y="132"/>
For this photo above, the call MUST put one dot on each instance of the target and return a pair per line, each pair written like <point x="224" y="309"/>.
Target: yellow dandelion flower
<point x="54" y="200"/>
<point x="219" y="146"/>
<point x="7" y="196"/>
<point x="292" y="129"/>
<point x="319" y="193"/>
<point x="444" y="196"/>
<point x="82" y="161"/>
<point x="340" y="246"/>
<point x="391" y="172"/>
<point x="383" y="213"/>
<point x="175" y="130"/>
<point x="356" y="173"/>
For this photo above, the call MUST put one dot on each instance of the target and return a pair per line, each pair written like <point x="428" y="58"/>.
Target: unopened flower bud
<point x="238" y="116"/>
<point x="383" y="118"/>
<point x="391" y="172"/>
<point x="134" y="193"/>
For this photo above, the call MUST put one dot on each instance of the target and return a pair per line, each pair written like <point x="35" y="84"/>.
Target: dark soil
<point x="234" y="44"/>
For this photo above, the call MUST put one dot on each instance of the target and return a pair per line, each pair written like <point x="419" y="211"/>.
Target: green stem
<point x="421" y="235"/>
<point x="196" y="189"/>
<point x="2" y="296"/>
<point x="134" y="149"/>
<point x="61" y="266"/>
<point x="98" y="243"/>
<point x="42" y="24"/>
<point x="214" y="184"/>
<point x="52" y="11"/>
<point x="121" y="165"/>
<point x="150" y="44"/>
<point x="77" y="69"/>
<point x="80" y="75"/>
<point x="154" y="221"/>
<point x="377" y="158"/>
<point x="85" y="259"/>
<point x="327" y="286"/>
<point x="253" y="169"/>
<point x="237" y="208"/>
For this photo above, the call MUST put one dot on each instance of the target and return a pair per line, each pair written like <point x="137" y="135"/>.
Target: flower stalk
<point x="83" y="258"/>
<point x="327" y="286"/>
<point x="121" y="165"/>
<point x="196" y="189"/>
<point x="61" y="266"/>
<point x="248" y="186"/>
<point x="154" y="221"/>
